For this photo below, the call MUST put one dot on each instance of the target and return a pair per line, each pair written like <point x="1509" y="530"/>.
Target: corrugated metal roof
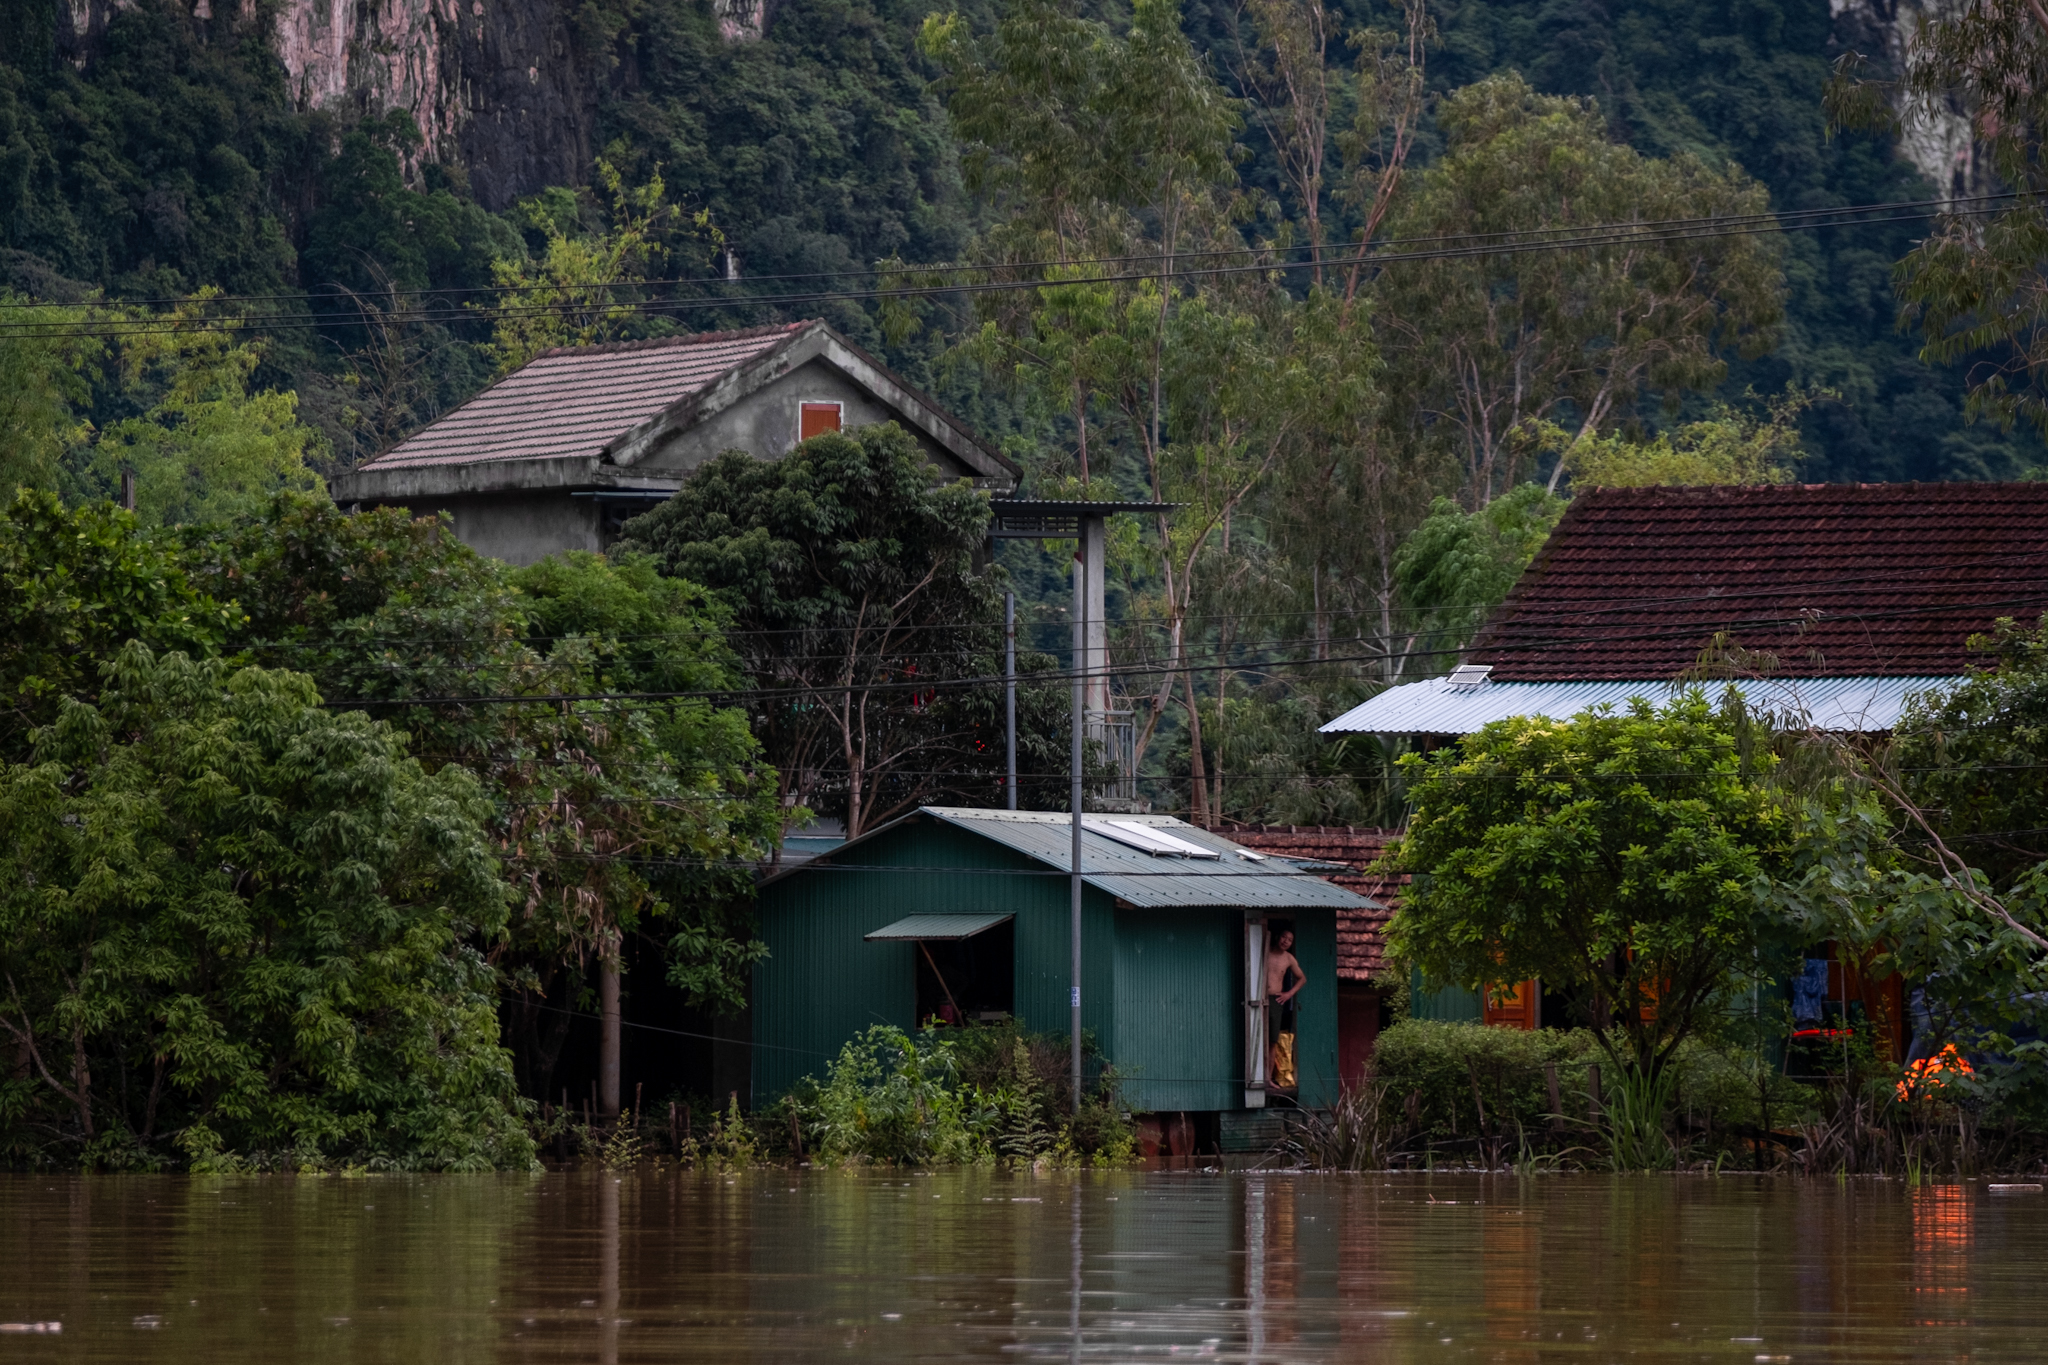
<point x="936" y="927"/>
<point x="572" y="402"/>
<point x="1150" y="881"/>
<point x="1435" y="707"/>
<point x="1238" y="877"/>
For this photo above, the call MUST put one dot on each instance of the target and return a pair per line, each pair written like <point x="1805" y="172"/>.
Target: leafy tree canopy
<point x="239" y="929"/>
<point x="854" y="580"/>
<point x="1616" y="856"/>
<point x="75" y="585"/>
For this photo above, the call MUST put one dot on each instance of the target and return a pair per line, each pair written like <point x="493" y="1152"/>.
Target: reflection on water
<point x="984" y="1266"/>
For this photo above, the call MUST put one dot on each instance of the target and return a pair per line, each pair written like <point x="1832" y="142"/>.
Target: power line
<point x="342" y="292"/>
<point x="1688" y="631"/>
<point x="1616" y="235"/>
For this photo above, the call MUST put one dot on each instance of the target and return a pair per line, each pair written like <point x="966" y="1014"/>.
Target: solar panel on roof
<point x="1148" y="838"/>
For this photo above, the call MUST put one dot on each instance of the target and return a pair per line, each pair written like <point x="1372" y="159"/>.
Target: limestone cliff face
<point x="494" y="85"/>
<point x="1938" y="143"/>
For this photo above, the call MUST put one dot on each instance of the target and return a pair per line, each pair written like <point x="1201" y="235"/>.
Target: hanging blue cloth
<point x="1809" y="990"/>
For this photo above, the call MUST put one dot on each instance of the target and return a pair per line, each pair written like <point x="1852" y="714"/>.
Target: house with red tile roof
<point x="1843" y="600"/>
<point x="1830" y="605"/>
<point x="557" y="454"/>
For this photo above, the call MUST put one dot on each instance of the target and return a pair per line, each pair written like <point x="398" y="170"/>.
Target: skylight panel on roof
<point x="1147" y="839"/>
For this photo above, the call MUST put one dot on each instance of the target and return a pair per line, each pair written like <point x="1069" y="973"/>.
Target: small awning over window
<point x="938" y="927"/>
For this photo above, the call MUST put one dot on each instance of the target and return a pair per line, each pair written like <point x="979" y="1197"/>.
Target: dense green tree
<point x="75" y="585"/>
<point x="208" y="448"/>
<point x="610" y="818"/>
<point x="239" y="929"/>
<point x="858" y="597"/>
<point x="1617" y="856"/>
<point x="1481" y="348"/>
<point x="1458" y="566"/>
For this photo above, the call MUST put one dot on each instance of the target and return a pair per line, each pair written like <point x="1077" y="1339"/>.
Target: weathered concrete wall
<point x="520" y="528"/>
<point x="764" y="424"/>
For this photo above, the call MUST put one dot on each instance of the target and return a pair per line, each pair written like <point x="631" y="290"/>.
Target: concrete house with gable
<point x="561" y="452"/>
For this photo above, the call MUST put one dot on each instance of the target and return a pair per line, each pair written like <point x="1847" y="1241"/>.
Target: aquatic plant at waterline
<point x="1354" y="1134"/>
<point x="1637" y="1120"/>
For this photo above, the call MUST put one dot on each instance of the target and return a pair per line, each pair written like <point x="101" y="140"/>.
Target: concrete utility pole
<point x="608" y="1039"/>
<point x="1034" y="519"/>
<point x="1075" y="762"/>
<point x="1010" y="693"/>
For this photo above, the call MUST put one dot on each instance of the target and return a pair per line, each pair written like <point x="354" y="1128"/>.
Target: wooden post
<point x="1556" y="1101"/>
<point x="796" y="1135"/>
<point x="675" y="1134"/>
<point x="1593" y="1092"/>
<point x="686" y="1120"/>
<point x="637" y="1086"/>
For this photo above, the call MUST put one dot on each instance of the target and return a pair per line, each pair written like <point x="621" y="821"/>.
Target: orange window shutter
<point x="816" y="419"/>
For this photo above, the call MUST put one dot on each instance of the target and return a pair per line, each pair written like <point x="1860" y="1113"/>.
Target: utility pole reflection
<point x="1074" y="1311"/>
<point x="608" y="1270"/>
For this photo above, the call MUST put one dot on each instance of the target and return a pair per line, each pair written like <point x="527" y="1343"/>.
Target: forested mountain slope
<point x="152" y="150"/>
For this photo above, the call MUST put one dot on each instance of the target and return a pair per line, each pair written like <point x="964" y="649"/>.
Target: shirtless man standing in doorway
<point x="1280" y="965"/>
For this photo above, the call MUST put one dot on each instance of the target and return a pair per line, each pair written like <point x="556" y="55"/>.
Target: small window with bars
<point x="815" y="419"/>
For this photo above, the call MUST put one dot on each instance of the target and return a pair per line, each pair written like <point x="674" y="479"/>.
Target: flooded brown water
<point x="988" y="1266"/>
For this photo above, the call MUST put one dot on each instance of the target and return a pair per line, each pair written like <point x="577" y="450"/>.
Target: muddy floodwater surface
<point x="991" y="1266"/>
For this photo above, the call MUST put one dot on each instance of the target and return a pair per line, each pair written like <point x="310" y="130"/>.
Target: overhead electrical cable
<point x="1795" y="217"/>
<point x="1606" y="235"/>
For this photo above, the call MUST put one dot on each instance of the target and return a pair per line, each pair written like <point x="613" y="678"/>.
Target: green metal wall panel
<point x="821" y="984"/>
<point x="1315" y="1015"/>
<point x="1045" y="966"/>
<point x="1444" y="1004"/>
<point x="1180" y="1027"/>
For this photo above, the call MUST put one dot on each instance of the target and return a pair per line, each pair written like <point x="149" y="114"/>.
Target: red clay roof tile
<point x="1841" y="580"/>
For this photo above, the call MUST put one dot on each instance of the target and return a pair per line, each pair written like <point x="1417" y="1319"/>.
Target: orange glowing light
<point x="1928" y="1077"/>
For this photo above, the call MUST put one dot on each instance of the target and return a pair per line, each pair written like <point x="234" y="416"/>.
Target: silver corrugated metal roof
<point x="936" y="927"/>
<point x="1436" y="707"/>
<point x="1238" y="876"/>
<point x="1149" y="880"/>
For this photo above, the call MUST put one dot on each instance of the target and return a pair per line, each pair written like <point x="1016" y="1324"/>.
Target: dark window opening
<point x="969" y="980"/>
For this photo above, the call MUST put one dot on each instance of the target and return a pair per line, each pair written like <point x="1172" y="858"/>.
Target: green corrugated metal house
<point x="952" y="911"/>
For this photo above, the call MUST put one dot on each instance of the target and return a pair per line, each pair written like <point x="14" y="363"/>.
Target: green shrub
<point x="980" y="1094"/>
<point x="1437" y="1075"/>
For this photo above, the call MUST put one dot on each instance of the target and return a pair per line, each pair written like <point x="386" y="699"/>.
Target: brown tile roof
<point x="572" y="402"/>
<point x="1841" y="580"/>
<point x="1361" y="937"/>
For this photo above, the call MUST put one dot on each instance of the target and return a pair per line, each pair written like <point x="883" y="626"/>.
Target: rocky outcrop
<point x="495" y="86"/>
<point x="1939" y="143"/>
